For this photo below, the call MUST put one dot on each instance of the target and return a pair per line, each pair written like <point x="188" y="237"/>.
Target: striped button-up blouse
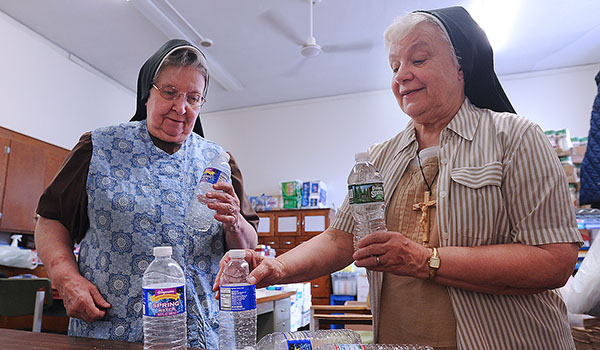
<point x="500" y="182"/>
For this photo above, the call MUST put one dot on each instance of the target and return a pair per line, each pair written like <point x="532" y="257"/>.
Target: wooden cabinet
<point x="27" y="166"/>
<point x="320" y="290"/>
<point x="24" y="184"/>
<point x="294" y="222"/>
<point x="4" y="149"/>
<point x="266" y="224"/>
<point x="286" y="229"/>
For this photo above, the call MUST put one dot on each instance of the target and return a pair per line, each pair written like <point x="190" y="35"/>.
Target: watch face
<point x="434" y="263"/>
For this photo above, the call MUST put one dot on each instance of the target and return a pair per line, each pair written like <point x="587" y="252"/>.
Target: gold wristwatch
<point x="434" y="263"/>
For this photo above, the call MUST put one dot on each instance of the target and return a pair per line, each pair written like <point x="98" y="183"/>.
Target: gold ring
<point x="377" y="257"/>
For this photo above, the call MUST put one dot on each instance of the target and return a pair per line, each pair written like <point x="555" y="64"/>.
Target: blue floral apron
<point x="137" y="199"/>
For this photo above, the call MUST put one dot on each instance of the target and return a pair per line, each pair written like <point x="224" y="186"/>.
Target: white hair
<point x="403" y="25"/>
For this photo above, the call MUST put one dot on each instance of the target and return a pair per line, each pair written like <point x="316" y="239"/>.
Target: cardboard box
<point x="316" y="187"/>
<point x="578" y="153"/>
<point x="291" y="188"/>
<point x="300" y="303"/>
<point x="257" y="202"/>
<point x="291" y="194"/>
<point x="314" y="194"/>
<point x="307" y="297"/>
<point x="291" y="202"/>
<point x="570" y="172"/>
<point x="305" y="318"/>
<point x="272" y="202"/>
<point x="305" y="193"/>
<point x="264" y="202"/>
<point x="343" y="283"/>
<point x="362" y="287"/>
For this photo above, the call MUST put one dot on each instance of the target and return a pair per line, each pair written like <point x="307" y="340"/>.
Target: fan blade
<point x="355" y="46"/>
<point x="274" y="21"/>
<point x="296" y="67"/>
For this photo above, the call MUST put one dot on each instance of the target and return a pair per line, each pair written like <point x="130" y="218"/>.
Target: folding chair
<point x="24" y="296"/>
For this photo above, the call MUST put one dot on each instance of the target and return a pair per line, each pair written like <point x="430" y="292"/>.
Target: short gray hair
<point x="402" y="26"/>
<point x="185" y="56"/>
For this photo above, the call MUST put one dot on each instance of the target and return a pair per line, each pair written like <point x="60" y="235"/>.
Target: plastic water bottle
<point x="374" y="347"/>
<point x="237" y="305"/>
<point x="198" y="214"/>
<point x="164" y="303"/>
<point x="365" y="192"/>
<point x="307" y="339"/>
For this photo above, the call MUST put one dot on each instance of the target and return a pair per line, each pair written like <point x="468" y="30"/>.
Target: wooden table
<point x="264" y="296"/>
<point x="24" y="340"/>
<point x="269" y="308"/>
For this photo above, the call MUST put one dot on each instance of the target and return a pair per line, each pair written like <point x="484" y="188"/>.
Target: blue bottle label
<point x="297" y="341"/>
<point x="237" y="297"/>
<point x="164" y="301"/>
<point x="365" y="193"/>
<point x="213" y="175"/>
<point x="301" y="344"/>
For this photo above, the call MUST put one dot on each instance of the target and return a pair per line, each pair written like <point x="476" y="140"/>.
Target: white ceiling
<point x="254" y="59"/>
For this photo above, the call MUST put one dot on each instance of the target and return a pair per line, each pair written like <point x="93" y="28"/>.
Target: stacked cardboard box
<point x="291" y="194"/>
<point x="265" y="202"/>
<point x="314" y="194"/>
<point x="570" y="152"/>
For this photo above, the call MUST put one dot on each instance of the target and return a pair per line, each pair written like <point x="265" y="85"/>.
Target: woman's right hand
<point x="263" y="271"/>
<point x="82" y="298"/>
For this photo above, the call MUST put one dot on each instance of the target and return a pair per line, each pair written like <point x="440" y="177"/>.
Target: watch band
<point x="434" y="263"/>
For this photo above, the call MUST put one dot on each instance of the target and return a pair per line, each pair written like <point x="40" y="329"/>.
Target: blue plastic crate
<point x="336" y="299"/>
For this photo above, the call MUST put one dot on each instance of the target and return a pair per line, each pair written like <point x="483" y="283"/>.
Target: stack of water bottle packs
<point x="291" y="194"/>
<point x="304" y="194"/>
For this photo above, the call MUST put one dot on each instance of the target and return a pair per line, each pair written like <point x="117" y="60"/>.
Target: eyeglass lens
<point x="170" y="93"/>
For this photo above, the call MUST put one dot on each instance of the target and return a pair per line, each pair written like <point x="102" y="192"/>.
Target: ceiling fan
<point x="309" y="47"/>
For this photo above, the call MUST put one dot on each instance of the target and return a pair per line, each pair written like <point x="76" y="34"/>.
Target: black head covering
<point x="147" y="75"/>
<point x="475" y="57"/>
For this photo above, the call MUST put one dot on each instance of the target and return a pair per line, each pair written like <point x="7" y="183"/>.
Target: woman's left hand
<point x="388" y="251"/>
<point x="227" y="206"/>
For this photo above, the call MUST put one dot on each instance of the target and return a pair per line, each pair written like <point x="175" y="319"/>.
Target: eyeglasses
<point x="194" y="99"/>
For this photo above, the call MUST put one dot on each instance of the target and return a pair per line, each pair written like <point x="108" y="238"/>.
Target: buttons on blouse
<point x="443" y="194"/>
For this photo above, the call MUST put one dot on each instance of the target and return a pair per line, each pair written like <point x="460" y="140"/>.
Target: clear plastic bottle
<point x="374" y="347"/>
<point x="165" y="315"/>
<point x="237" y="305"/>
<point x="198" y="214"/>
<point x="307" y="339"/>
<point x="365" y="192"/>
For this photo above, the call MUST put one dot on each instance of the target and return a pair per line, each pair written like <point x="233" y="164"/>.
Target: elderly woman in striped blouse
<point x="480" y="270"/>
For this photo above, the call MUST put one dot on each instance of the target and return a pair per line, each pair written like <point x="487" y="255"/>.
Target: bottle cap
<point x="237" y="253"/>
<point x="361" y="156"/>
<point x="162" y="251"/>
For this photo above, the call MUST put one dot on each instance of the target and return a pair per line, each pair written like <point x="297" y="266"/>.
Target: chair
<point x="23" y="297"/>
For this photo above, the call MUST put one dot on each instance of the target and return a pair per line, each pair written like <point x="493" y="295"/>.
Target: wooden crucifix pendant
<point x="424" y="222"/>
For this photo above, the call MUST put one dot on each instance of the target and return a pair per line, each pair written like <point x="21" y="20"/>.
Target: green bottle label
<point x="366" y="193"/>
